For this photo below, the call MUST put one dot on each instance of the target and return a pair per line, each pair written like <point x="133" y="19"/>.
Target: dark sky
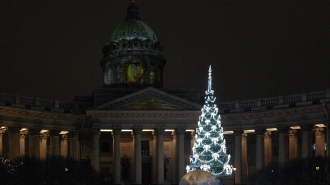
<point x="257" y="48"/>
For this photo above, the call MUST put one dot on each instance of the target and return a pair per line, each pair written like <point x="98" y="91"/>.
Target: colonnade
<point x="312" y="143"/>
<point x="178" y="168"/>
<point x="37" y="142"/>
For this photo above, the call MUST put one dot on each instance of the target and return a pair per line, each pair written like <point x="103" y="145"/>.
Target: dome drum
<point x="133" y="55"/>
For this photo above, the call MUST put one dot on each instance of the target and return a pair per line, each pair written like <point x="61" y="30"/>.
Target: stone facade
<point x="137" y="132"/>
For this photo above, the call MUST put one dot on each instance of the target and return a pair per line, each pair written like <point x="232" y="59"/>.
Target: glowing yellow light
<point x="148" y="130"/>
<point x="106" y="130"/>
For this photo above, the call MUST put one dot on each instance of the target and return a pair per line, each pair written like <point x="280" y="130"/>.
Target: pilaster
<point x="293" y="144"/>
<point x="267" y="147"/>
<point x="14" y="147"/>
<point x="64" y="145"/>
<point x="174" y="159"/>
<point x="96" y="148"/>
<point x="116" y="155"/>
<point x="259" y="148"/>
<point x="305" y="140"/>
<point x="2" y="131"/>
<point x="137" y="131"/>
<point x="34" y="141"/>
<point x="160" y="155"/>
<point x="238" y="156"/>
<point x="281" y="144"/>
<point x="180" y="142"/>
<point x="43" y="144"/>
<point x="319" y="141"/>
<point x="54" y="135"/>
<point x="22" y="142"/>
<point x="244" y="159"/>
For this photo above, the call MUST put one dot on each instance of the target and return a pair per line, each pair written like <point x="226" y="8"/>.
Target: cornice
<point x="281" y="114"/>
<point x="37" y="115"/>
<point x="141" y="114"/>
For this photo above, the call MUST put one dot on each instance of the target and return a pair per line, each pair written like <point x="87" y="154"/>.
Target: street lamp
<point x="317" y="168"/>
<point x="234" y="169"/>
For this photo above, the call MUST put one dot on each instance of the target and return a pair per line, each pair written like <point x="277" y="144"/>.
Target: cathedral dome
<point x="131" y="29"/>
<point x="133" y="54"/>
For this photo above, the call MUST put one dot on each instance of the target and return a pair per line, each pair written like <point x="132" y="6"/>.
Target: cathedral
<point x="135" y="131"/>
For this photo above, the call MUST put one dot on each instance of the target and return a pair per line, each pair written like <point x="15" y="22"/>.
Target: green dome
<point x="131" y="29"/>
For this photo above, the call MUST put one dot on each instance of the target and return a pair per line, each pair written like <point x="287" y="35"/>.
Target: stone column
<point x="43" y="145"/>
<point x="34" y="141"/>
<point x="13" y="136"/>
<point x="174" y="159"/>
<point x="238" y="156"/>
<point x="192" y="141"/>
<point x="116" y="156"/>
<point x="244" y="159"/>
<point x="64" y="145"/>
<point x="154" y="158"/>
<point x="305" y="142"/>
<point x="267" y="148"/>
<point x="180" y="150"/>
<point x="281" y="144"/>
<point x="319" y="141"/>
<point x="22" y="142"/>
<point x="2" y="131"/>
<point x="259" y="148"/>
<point x="96" y="148"/>
<point x="293" y="144"/>
<point x="54" y="142"/>
<point x="137" y="131"/>
<point x="76" y="151"/>
<point x="160" y="155"/>
<point x="71" y="143"/>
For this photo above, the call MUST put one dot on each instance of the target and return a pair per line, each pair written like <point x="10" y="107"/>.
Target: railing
<point x="4" y="97"/>
<point x="273" y="101"/>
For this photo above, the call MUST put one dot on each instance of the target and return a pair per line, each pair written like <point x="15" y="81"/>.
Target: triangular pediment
<point x="149" y="99"/>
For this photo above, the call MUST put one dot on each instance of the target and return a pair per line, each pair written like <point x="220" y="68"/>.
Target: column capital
<point x="192" y="134"/>
<point x="173" y="134"/>
<point x="2" y="131"/>
<point x="116" y="130"/>
<point x="64" y="137"/>
<point x="137" y="131"/>
<point x="267" y="134"/>
<point x="180" y="130"/>
<point x="23" y="134"/>
<point x="318" y="131"/>
<point x="44" y="135"/>
<point x="244" y="136"/>
<point x="292" y="133"/>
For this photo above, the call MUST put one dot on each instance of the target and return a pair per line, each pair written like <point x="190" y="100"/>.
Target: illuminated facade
<point x="138" y="132"/>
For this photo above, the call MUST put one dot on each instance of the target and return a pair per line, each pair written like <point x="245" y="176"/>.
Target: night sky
<point x="257" y="48"/>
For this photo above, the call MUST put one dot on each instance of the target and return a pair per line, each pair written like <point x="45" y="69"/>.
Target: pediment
<point x="149" y="99"/>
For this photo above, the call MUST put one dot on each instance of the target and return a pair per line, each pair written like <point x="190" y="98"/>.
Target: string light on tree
<point x="209" y="150"/>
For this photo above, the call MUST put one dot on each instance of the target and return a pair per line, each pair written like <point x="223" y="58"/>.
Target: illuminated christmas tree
<point x="209" y="150"/>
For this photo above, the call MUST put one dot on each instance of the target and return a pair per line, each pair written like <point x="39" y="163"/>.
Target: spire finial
<point x="209" y="88"/>
<point x="133" y="12"/>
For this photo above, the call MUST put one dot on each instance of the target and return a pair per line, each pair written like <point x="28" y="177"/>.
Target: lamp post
<point x="234" y="169"/>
